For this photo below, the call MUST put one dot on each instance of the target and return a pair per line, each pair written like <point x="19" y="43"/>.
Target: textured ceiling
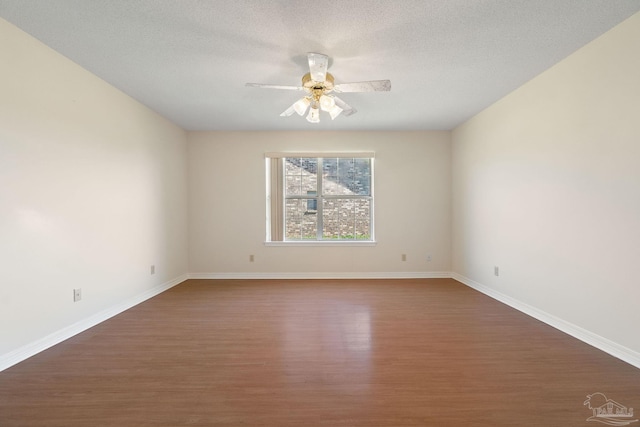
<point x="189" y="60"/>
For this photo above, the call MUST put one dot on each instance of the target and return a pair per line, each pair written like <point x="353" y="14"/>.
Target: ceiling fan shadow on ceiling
<point x="319" y="85"/>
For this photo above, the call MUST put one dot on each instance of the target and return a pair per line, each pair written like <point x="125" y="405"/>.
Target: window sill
<point x="322" y="243"/>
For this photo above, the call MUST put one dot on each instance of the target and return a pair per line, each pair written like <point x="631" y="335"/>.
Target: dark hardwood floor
<point x="423" y="352"/>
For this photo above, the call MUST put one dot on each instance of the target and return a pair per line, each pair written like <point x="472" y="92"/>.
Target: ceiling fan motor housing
<point x="311" y="85"/>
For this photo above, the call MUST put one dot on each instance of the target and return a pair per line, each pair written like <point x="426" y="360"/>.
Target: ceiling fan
<point x="318" y="85"/>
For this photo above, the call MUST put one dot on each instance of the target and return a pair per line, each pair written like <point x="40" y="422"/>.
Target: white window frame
<point x="276" y="200"/>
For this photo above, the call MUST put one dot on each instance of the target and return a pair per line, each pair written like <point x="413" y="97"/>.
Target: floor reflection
<point x="329" y="345"/>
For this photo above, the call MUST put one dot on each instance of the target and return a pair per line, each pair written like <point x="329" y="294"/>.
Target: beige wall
<point x="546" y="185"/>
<point x="227" y="205"/>
<point x="92" y="192"/>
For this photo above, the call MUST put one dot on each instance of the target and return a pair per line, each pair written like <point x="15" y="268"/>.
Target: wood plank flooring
<point x="423" y="352"/>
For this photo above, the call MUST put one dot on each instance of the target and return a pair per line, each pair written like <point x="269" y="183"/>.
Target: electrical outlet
<point x="77" y="295"/>
<point x="152" y="270"/>
<point x="496" y="271"/>
<point x="428" y="258"/>
<point x="251" y="258"/>
<point x="404" y="257"/>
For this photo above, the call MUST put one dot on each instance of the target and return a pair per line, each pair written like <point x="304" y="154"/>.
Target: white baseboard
<point x="614" y="349"/>
<point x="324" y="275"/>
<point x="9" y="359"/>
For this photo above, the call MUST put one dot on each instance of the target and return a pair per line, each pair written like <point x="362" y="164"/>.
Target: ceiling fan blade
<point x="289" y="111"/>
<point x="347" y="109"/>
<point x="370" y="86"/>
<point x="265" y="86"/>
<point x="318" y="64"/>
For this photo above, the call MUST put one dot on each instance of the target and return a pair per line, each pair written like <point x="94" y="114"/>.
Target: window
<point x="320" y="197"/>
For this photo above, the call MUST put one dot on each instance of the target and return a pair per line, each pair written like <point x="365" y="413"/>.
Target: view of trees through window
<point x="327" y="198"/>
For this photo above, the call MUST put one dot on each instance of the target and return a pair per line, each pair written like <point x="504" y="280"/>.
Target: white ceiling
<point x="189" y="60"/>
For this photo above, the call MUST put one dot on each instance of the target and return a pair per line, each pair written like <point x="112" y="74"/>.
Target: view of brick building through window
<point x="334" y="204"/>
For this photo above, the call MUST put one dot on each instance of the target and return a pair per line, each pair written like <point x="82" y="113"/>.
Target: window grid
<point x="346" y="197"/>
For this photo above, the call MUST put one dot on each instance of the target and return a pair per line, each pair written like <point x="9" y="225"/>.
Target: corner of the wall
<point x="16" y="356"/>
<point x="614" y="349"/>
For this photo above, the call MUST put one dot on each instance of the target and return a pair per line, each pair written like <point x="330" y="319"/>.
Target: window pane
<point x="330" y="184"/>
<point x="300" y="222"/>
<point x="301" y="176"/>
<point x="362" y="182"/>
<point x="346" y="219"/>
<point x="363" y="219"/>
<point x="312" y="204"/>
<point x="346" y="176"/>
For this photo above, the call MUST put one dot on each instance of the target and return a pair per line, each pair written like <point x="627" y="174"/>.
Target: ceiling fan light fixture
<point x="335" y="112"/>
<point x="301" y="105"/>
<point x="314" y="114"/>
<point x="327" y="103"/>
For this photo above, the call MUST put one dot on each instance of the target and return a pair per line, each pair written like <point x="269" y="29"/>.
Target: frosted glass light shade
<point x="327" y="103"/>
<point x="314" y="115"/>
<point x="335" y="112"/>
<point x="301" y="105"/>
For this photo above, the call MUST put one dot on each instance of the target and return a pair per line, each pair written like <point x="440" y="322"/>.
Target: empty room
<point x="319" y="213"/>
